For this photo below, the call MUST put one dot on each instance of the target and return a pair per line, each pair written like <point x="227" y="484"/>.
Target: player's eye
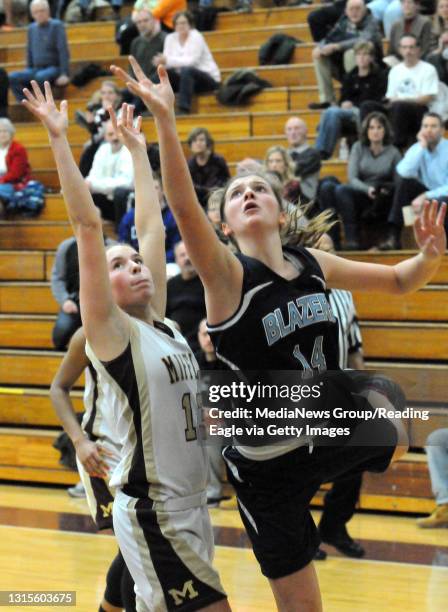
<point x="235" y="193"/>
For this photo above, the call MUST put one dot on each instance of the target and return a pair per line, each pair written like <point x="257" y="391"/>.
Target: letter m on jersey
<point x="187" y="590"/>
<point x="107" y="510"/>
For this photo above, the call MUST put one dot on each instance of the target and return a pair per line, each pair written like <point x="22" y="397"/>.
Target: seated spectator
<point x="364" y="83"/>
<point x="387" y="12"/>
<point x="65" y="290"/>
<point x="437" y="451"/>
<point x="185" y="297"/>
<point x="279" y="162"/>
<point x="411" y="23"/>
<point x="146" y="46"/>
<point x="371" y="170"/>
<point x="47" y="52"/>
<point x="306" y="159"/>
<point x="439" y="26"/>
<point x="190" y="65"/>
<point x="127" y="232"/>
<point x="86" y="9"/>
<point x="334" y="54"/>
<point x="14" y="165"/>
<point x="422" y="175"/>
<point x="412" y="85"/>
<point x="208" y="170"/>
<point x="94" y="120"/>
<point x="111" y="177"/>
<point x="322" y="20"/>
<point x="439" y="59"/>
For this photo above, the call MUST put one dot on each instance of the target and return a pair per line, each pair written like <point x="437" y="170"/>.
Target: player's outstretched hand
<point x="429" y="229"/>
<point x="159" y="98"/>
<point x="128" y="133"/>
<point x="44" y="108"/>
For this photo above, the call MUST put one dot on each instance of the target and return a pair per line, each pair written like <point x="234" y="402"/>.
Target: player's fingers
<point x="48" y="92"/>
<point x="138" y="125"/>
<point x="441" y="215"/>
<point x="37" y="91"/>
<point x="137" y="68"/>
<point x="433" y="212"/>
<point x="29" y="96"/>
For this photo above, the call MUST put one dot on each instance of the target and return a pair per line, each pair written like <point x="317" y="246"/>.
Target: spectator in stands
<point x="411" y="23"/>
<point x="14" y="165"/>
<point x="94" y="120"/>
<point x="437" y="450"/>
<point x="190" y="65"/>
<point x="412" y="85"/>
<point x="422" y="175"/>
<point x="387" y="12"/>
<point x="322" y="20"/>
<point x="65" y="290"/>
<point x="439" y="26"/>
<point x="208" y="170"/>
<point x="278" y="161"/>
<point x="366" y="82"/>
<point x="371" y="170"/>
<point x="334" y="54"/>
<point x="439" y="59"/>
<point x="47" y="51"/>
<point x="306" y="159"/>
<point x="147" y="45"/>
<point x="111" y="177"/>
<point x="247" y="165"/>
<point x="185" y="297"/>
<point x="84" y="7"/>
<point x="127" y="232"/>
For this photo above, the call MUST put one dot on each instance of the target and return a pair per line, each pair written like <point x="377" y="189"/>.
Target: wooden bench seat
<point x="32" y="407"/>
<point x="29" y="455"/>
<point x="29" y="367"/>
<point x="26" y="331"/>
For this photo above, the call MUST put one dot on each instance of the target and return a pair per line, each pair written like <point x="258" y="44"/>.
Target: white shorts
<point x="100" y="496"/>
<point x="168" y="548"/>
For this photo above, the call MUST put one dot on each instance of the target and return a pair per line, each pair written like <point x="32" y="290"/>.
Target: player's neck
<point x="267" y="249"/>
<point x="143" y="312"/>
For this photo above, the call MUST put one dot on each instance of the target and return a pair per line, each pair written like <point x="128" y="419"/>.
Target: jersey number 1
<point x="190" y="432"/>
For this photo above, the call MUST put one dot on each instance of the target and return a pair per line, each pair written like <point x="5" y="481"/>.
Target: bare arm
<point x="74" y="363"/>
<point x="105" y="325"/>
<point x="406" y="276"/>
<point x="148" y="216"/>
<point x="219" y="269"/>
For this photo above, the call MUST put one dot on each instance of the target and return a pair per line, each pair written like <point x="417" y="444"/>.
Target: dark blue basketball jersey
<point x="280" y="324"/>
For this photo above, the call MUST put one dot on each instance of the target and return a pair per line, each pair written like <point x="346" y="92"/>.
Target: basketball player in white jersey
<point x="97" y="455"/>
<point x="267" y="311"/>
<point x="160" y="515"/>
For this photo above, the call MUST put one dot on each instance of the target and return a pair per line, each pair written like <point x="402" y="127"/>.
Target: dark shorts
<point x="274" y="495"/>
<point x="104" y="502"/>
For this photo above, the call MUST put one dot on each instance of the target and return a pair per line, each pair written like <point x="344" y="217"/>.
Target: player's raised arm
<point x="405" y="277"/>
<point x="219" y="270"/>
<point x="105" y="326"/>
<point x="148" y="215"/>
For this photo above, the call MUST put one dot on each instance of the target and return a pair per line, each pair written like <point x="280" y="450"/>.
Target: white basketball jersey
<point x="97" y="421"/>
<point x="151" y="393"/>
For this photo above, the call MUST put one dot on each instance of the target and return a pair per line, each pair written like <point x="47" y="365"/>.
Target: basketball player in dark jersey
<point x="148" y="375"/>
<point x="267" y="310"/>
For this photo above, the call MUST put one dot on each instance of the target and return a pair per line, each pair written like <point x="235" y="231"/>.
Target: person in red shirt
<point x="14" y="166"/>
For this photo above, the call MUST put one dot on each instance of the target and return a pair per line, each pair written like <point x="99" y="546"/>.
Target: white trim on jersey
<point x="343" y="307"/>
<point x="240" y="312"/>
<point x="249" y="517"/>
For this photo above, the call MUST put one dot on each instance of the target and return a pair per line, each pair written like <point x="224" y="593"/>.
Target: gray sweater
<point x="367" y="170"/>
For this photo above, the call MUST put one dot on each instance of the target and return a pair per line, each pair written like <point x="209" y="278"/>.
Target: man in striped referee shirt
<point x="340" y="501"/>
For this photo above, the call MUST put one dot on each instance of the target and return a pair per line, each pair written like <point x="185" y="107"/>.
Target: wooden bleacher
<point x="404" y="336"/>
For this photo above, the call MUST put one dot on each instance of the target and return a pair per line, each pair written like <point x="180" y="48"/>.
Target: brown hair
<point x="298" y="230"/>
<point x="382" y="120"/>
<point x="289" y="164"/>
